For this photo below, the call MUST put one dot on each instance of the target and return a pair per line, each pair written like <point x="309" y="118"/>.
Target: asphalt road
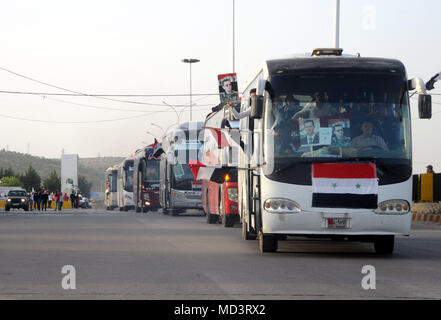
<point x="151" y="256"/>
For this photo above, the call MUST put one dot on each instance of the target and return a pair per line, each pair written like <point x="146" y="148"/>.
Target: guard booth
<point x="426" y="187"/>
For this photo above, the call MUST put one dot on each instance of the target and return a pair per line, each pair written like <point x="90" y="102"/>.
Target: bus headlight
<point x="278" y="205"/>
<point x="146" y="203"/>
<point x="23" y="200"/>
<point x="9" y="200"/>
<point x="232" y="194"/>
<point x="393" y="207"/>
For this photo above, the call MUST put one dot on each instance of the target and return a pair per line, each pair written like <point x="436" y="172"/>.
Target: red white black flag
<point x="344" y="185"/>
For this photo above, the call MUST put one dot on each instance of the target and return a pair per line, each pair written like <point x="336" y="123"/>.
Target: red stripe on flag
<point x="344" y="170"/>
<point x="220" y="137"/>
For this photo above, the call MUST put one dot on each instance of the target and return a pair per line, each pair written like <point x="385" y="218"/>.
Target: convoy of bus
<point x="335" y="159"/>
<point x="321" y="148"/>
<point x="146" y="178"/>
<point x="179" y="190"/>
<point x="125" y="185"/>
<point x="219" y="196"/>
<point x="111" y="188"/>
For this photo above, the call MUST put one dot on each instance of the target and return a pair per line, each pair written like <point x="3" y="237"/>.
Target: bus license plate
<point x="338" y="223"/>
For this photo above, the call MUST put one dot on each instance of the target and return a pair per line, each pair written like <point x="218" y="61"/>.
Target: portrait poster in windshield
<point x="228" y="89"/>
<point x="341" y="134"/>
<point x="309" y="132"/>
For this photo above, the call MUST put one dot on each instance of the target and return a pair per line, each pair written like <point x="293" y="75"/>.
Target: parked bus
<point x="178" y="189"/>
<point x="219" y="197"/>
<point x="125" y="185"/>
<point x="111" y="188"/>
<point x="146" y="179"/>
<point x="328" y="150"/>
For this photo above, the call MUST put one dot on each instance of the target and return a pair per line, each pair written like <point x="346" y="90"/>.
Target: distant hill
<point x="92" y="168"/>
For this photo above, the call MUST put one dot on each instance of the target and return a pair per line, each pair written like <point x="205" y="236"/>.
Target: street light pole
<point x="190" y="61"/>
<point x="154" y="124"/>
<point x="337" y="24"/>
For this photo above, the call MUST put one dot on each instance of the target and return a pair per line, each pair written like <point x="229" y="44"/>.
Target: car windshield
<point x="17" y="193"/>
<point x="338" y="116"/>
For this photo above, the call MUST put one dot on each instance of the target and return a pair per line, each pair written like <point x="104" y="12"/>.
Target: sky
<point x="135" y="47"/>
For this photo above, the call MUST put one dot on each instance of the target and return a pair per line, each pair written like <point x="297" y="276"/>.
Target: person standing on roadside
<point x="31" y="200"/>
<point x="50" y="196"/>
<point x="72" y="199"/>
<point x="45" y="198"/>
<point x="36" y="199"/>
<point x="56" y="199"/>
<point x="60" y="201"/>
<point x="430" y="169"/>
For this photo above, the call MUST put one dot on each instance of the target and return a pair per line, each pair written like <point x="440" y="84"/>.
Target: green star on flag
<point x="358" y="186"/>
<point x="334" y="185"/>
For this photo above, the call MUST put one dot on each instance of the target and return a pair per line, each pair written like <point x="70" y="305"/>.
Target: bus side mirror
<point x="425" y="106"/>
<point x="256" y="107"/>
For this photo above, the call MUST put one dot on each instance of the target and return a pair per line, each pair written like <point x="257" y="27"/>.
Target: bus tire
<point x="228" y="221"/>
<point x="145" y="209"/>
<point x="164" y="211"/>
<point x="121" y="208"/>
<point x="245" y="234"/>
<point x="175" y="212"/>
<point x="267" y="243"/>
<point x="384" y="244"/>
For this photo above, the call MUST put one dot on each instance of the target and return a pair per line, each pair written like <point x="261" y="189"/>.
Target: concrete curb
<point x="426" y="217"/>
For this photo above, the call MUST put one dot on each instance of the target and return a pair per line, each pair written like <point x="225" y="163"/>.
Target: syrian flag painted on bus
<point x="344" y="185"/>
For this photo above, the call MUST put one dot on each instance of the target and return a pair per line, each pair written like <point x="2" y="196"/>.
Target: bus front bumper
<point x="322" y="223"/>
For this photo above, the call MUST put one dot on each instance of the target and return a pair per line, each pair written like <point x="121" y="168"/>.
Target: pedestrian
<point x="72" y="199"/>
<point x="60" y="201"/>
<point x="44" y="200"/>
<point x="51" y="195"/>
<point x="31" y="200"/>
<point x="36" y="199"/>
<point x="430" y="169"/>
<point x="56" y="199"/>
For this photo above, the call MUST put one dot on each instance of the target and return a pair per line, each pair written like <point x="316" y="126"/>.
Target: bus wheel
<point x="121" y="208"/>
<point x="228" y="221"/>
<point x="145" y="209"/>
<point x="164" y="211"/>
<point x="245" y="234"/>
<point x="175" y="212"/>
<point x="267" y="243"/>
<point x="384" y="244"/>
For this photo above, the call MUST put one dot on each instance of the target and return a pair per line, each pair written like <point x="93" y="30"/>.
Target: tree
<point x="31" y="179"/>
<point x="11" y="182"/>
<point x="7" y="173"/>
<point x="53" y="182"/>
<point x="84" y="186"/>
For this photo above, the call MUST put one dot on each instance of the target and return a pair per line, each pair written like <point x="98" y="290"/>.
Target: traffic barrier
<point x="426" y="187"/>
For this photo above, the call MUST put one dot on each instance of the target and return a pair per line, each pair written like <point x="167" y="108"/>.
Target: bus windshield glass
<point x="181" y="176"/>
<point x="344" y="116"/>
<point x="151" y="174"/>
<point x="129" y="179"/>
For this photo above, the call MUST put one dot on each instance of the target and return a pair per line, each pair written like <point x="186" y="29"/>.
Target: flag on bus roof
<point x="344" y="185"/>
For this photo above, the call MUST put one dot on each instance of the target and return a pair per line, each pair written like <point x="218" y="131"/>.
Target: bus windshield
<point x="338" y="116"/>
<point x="129" y="179"/>
<point x="151" y="174"/>
<point x="181" y="176"/>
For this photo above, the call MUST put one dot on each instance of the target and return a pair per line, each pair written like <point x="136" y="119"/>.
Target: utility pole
<point x="337" y="24"/>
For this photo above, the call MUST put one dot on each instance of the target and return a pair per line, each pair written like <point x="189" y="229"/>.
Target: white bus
<point x="111" y="183"/>
<point x="328" y="152"/>
<point x="178" y="189"/>
<point x="125" y="185"/>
